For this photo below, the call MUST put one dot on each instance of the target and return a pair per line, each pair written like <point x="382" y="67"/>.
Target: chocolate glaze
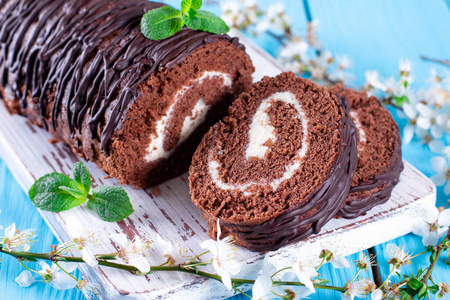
<point x="385" y="181"/>
<point x="52" y="56"/>
<point x="291" y="225"/>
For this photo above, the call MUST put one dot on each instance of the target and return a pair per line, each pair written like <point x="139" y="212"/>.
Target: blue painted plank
<point x="16" y="207"/>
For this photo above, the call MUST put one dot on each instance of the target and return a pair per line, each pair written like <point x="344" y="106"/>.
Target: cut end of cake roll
<point x="379" y="153"/>
<point x="279" y="166"/>
<point x="136" y="107"/>
<point x="176" y="108"/>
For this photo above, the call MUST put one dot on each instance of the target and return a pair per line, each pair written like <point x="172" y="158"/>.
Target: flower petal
<point x="438" y="179"/>
<point x="226" y="279"/>
<point x="430" y="214"/>
<point x="408" y="134"/>
<point x="423" y="123"/>
<point x="62" y="281"/>
<point x="444" y="217"/>
<point x="25" y="279"/>
<point x="262" y="286"/>
<point x="447" y="188"/>
<point x="89" y="257"/>
<point x="340" y="262"/>
<point x="44" y="266"/>
<point x="10" y="231"/>
<point x="436" y="146"/>
<point x="210" y="245"/>
<point x="391" y="249"/>
<point x="68" y="266"/>
<point x="430" y="239"/>
<point x="377" y="294"/>
<point x="439" y="164"/>
<point x="141" y="263"/>
<point x="120" y="239"/>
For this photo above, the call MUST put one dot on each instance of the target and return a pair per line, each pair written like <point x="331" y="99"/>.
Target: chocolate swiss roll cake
<point x="138" y="108"/>
<point x="279" y="166"/>
<point x="379" y="153"/>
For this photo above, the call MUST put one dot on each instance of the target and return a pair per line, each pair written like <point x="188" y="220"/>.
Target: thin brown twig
<point x="439" y="61"/>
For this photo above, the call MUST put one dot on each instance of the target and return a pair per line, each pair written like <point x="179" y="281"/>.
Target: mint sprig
<point x="57" y="192"/>
<point x="163" y="22"/>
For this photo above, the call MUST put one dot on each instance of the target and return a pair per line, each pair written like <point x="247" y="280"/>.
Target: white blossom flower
<point x="133" y="253"/>
<point x="442" y="168"/>
<point x="433" y="225"/>
<point x="293" y="50"/>
<point x="365" y="261"/>
<point x="171" y="253"/>
<point x="223" y="257"/>
<point x="329" y="253"/>
<point x="373" y="81"/>
<point x="405" y="66"/>
<point x="25" y="279"/>
<point x="90" y="290"/>
<point x="18" y="240"/>
<point x="263" y="283"/>
<point x="411" y="113"/>
<point x="435" y="145"/>
<point x="303" y="267"/>
<point x="444" y="289"/>
<point x="276" y="19"/>
<point x="59" y="279"/>
<point x="398" y="257"/>
<point x="360" y="289"/>
<point x="83" y="242"/>
<point x="299" y="292"/>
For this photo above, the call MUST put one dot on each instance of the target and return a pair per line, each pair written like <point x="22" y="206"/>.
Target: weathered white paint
<point x="167" y="210"/>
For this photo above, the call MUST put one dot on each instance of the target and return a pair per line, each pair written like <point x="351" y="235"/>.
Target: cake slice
<point x="279" y="166"/>
<point x="379" y="153"/>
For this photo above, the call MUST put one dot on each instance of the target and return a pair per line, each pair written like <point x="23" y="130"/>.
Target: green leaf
<point x="191" y="20"/>
<point x="111" y="203"/>
<point x="161" y="23"/>
<point x="187" y="5"/>
<point x="77" y="193"/>
<point x="415" y="284"/>
<point x="211" y="23"/>
<point x="433" y="289"/>
<point x="46" y="193"/>
<point x="82" y="177"/>
<point x="422" y="292"/>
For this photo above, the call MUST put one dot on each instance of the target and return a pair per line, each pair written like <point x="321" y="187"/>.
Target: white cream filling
<point x="361" y="133"/>
<point x="260" y="132"/>
<point x="155" y="149"/>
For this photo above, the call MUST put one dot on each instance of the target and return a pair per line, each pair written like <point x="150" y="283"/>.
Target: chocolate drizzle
<point x="292" y="225"/>
<point x="85" y="59"/>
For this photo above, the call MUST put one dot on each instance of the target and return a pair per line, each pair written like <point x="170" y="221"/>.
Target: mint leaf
<point x="111" y="203"/>
<point x="211" y="23"/>
<point x="187" y="5"/>
<point x="46" y="193"/>
<point x="161" y="23"/>
<point x="191" y="20"/>
<point x="82" y="177"/>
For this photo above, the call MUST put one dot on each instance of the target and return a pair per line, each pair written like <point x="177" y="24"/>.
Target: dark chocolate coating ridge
<point x="385" y="181"/>
<point x="289" y="226"/>
<point x="52" y="59"/>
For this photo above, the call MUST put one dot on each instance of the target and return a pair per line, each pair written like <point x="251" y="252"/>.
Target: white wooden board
<point x="167" y="210"/>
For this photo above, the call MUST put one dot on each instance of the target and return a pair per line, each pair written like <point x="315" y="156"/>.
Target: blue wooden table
<point x="375" y="35"/>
